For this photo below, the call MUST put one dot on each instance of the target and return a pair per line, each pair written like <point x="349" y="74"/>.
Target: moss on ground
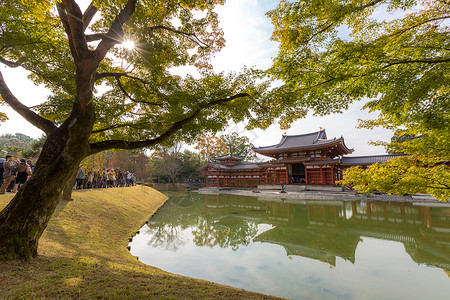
<point x="83" y="254"/>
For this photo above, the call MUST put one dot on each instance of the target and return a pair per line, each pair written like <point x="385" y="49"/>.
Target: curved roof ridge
<point x="320" y="134"/>
<point x="283" y="139"/>
<point x="310" y="133"/>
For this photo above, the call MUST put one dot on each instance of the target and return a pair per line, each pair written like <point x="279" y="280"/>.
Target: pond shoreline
<point x="83" y="254"/>
<point x="300" y="196"/>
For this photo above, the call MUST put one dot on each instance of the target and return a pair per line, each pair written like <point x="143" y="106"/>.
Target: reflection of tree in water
<point x="226" y="232"/>
<point x="167" y="237"/>
<point x="166" y="227"/>
<point x="182" y="199"/>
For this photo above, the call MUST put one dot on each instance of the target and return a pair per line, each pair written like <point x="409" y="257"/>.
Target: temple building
<point x="304" y="159"/>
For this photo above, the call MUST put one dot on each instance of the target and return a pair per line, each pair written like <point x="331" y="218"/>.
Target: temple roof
<point x="353" y="161"/>
<point x="302" y="141"/>
<point x="243" y="166"/>
<point x="366" y="160"/>
<point x="228" y="156"/>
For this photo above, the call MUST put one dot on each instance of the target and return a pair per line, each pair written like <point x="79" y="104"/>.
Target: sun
<point x="127" y="44"/>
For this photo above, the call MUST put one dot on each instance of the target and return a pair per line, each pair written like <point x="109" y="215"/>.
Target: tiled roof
<point x="308" y="140"/>
<point x="244" y="166"/>
<point x="321" y="162"/>
<point x="367" y="160"/>
<point x="294" y="141"/>
<point x="225" y="156"/>
<point x="355" y="160"/>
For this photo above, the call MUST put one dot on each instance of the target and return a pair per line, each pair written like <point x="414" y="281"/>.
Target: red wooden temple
<point x="310" y="159"/>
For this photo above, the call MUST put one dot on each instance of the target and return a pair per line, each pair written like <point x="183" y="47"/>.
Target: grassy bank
<point x="83" y="254"/>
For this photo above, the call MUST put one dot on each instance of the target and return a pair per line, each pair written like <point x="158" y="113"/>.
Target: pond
<point x="307" y="250"/>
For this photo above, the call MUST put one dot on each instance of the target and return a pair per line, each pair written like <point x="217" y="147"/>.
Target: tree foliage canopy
<point x="138" y="98"/>
<point x="401" y="65"/>
<point x="106" y="96"/>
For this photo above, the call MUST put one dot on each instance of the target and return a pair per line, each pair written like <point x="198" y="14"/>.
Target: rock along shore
<point x="300" y="196"/>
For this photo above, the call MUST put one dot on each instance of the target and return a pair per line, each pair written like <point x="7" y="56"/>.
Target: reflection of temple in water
<point x="324" y="230"/>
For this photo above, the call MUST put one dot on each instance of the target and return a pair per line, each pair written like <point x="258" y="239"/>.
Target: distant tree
<point x="20" y="145"/>
<point x="35" y="148"/>
<point x="98" y="161"/>
<point x="191" y="163"/>
<point x="166" y="163"/>
<point x="210" y="146"/>
<point x="239" y="145"/>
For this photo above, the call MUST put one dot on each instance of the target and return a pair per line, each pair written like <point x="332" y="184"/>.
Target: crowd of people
<point x="14" y="173"/>
<point x="106" y="178"/>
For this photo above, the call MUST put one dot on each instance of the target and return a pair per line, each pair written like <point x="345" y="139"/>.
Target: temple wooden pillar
<point x="287" y="174"/>
<point x="322" y="176"/>
<point x="332" y="175"/>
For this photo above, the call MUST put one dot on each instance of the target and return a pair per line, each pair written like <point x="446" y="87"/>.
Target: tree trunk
<point x="25" y="218"/>
<point x="67" y="192"/>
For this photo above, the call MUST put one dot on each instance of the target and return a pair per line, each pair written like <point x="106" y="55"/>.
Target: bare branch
<point x="121" y="144"/>
<point x="29" y="115"/>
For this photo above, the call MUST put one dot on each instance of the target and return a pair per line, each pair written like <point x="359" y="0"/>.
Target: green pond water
<point x="307" y="250"/>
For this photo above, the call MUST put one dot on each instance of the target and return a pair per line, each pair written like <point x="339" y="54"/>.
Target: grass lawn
<point x="83" y="254"/>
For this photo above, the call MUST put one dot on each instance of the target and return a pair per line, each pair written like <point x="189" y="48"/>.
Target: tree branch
<point x="94" y="37"/>
<point x="372" y="3"/>
<point x="132" y="125"/>
<point x="114" y="35"/>
<point x="29" y="115"/>
<point x="11" y="64"/>
<point x="109" y="128"/>
<point x="65" y="21"/>
<point x="121" y="144"/>
<point x="191" y="36"/>
<point x="75" y="22"/>
<point x="88" y="15"/>
<point x="400" y="32"/>
<point x="123" y="90"/>
<point x="423" y="61"/>
<point x="117" y="75"/>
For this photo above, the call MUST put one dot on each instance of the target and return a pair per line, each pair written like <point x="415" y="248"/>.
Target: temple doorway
<point x="297" y="173"/>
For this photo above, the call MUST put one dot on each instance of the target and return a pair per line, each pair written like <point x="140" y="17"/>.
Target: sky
<point x="247" y="33"/>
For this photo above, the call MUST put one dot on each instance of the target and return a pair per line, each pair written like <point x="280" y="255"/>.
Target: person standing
<point x="80" y="178"/>
<point x="8" y="166"/>
<point x="23" y="171"/>
<point x="2" y="160"/>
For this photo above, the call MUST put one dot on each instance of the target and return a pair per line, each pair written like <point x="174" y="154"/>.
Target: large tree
<point x="393" y="53"/>
<point x="105" y="96"/>
<point x="239" y="145"/>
